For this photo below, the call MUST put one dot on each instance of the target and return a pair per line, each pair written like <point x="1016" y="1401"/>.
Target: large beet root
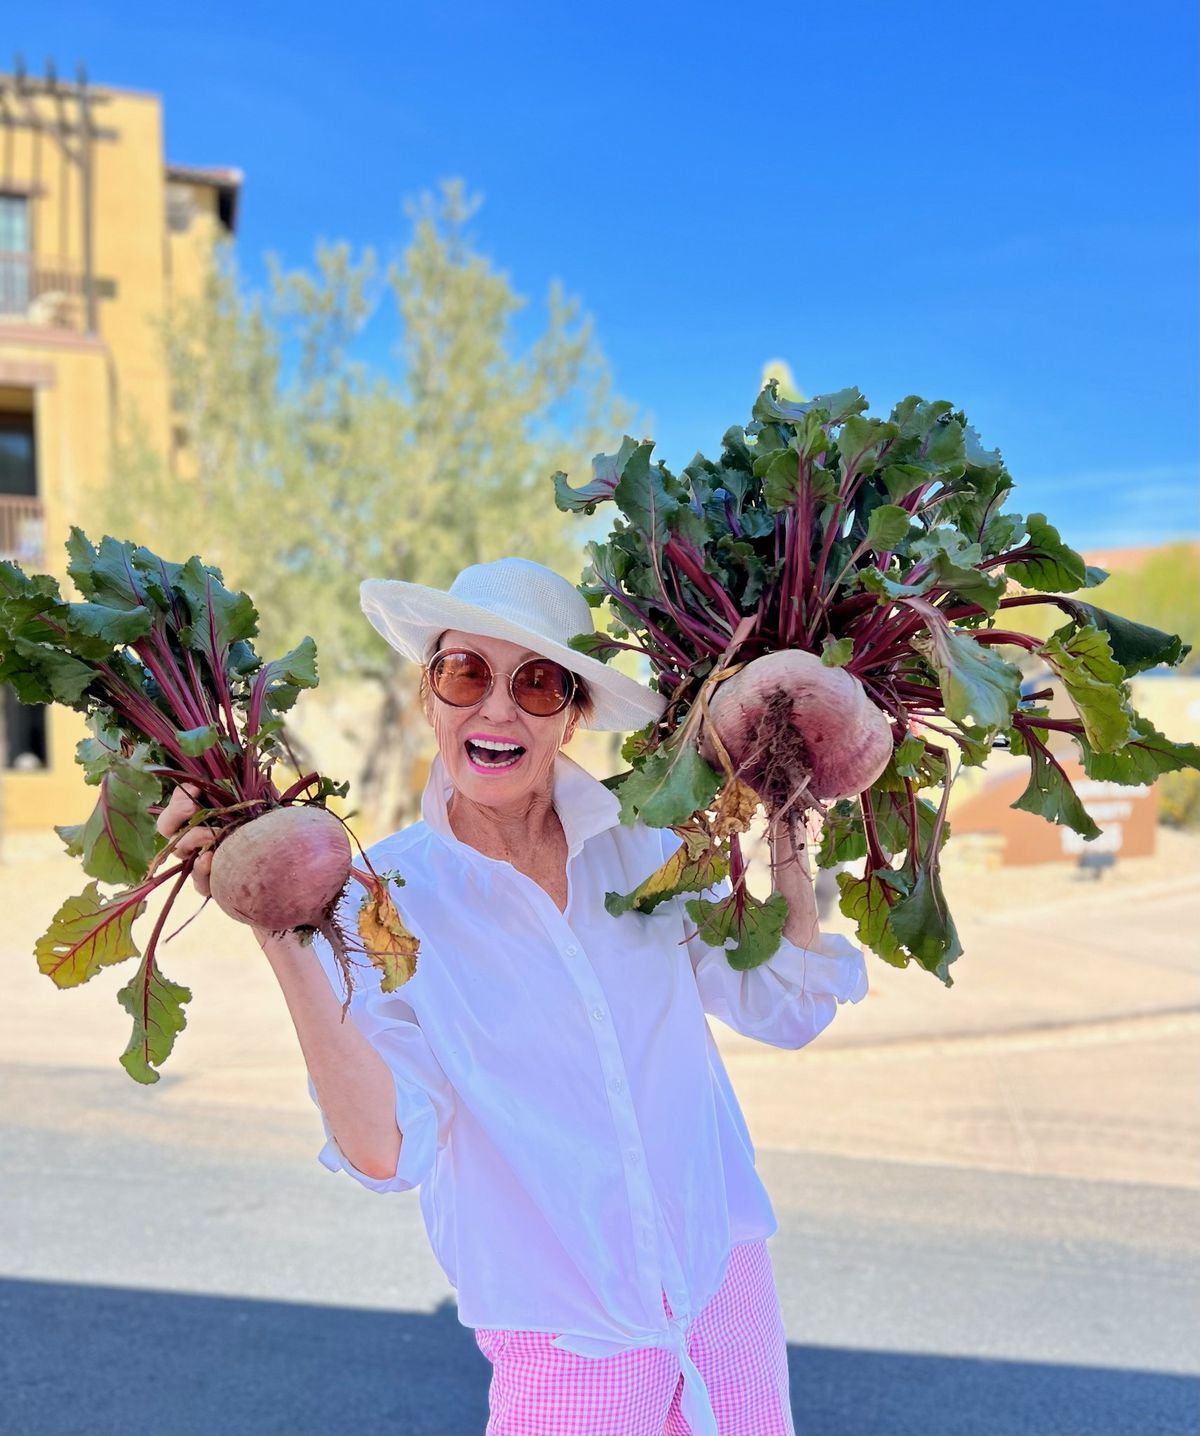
<point x="282" y="870"/>
<point x="788" y="719"/>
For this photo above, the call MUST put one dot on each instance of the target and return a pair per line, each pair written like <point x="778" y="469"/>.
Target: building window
<point x="22" y="522"/>
<point x="181" y="207"/>
<point x="24" y="732"/>
<point x="18" y="463"/>
<point x="15" y="258"/>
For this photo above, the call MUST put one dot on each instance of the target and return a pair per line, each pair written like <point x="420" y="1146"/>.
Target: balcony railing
<point x="35" y="289"/>
<point x="22" y="529"/>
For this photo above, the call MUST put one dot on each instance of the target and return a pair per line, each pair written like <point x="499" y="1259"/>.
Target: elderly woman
<point x="547" y="1077"/>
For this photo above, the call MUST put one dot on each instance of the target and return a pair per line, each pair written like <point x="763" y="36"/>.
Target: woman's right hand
<point x="176" y="813"/>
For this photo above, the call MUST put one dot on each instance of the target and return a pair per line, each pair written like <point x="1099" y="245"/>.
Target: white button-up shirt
<point x="564" y="1108"/>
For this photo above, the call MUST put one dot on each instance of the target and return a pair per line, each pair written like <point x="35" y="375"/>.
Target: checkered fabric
<point x="737" y="1343"/>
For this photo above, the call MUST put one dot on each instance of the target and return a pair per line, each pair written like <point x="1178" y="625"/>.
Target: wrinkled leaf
<point x="1095" y="683"/>
<point x="770" y="408"/>
<point x="781" y="481"/>
<point x="387" y="943"/>
<point x="281" y="680"/>
<point x="977" y="686"/>
<point x="887" y="526"/>
<point x="106" y="575"/>
<point x="889" y="588"/>
<point x="757" y="937"/>
<point x="88" y="932"/>
<point x="1135" y="646"/>
<point x="861" y="442"/>
<point x="641" y="493"/>
<point x="670" y="786"/>
<point x="1052" y="567"/>
<point x="38" y="673"/>
<point x="952" y="561"/>
<point x="606" y="472"/>
<point x="219" y="617"/>
<point x="694" y="865"/>
<point x="867" y="901"/>
<point x="837" y="652"/>
<point x="922" y="923"/>
<point x="901" y="479"/>
<point x="735" y="806"/>
<point x="843" y="837"/>
<point x="119" y="840"/>
<point x="1146" y="756"/>
<point x="156" y="1005"/>
<point x="1049" y="793"/>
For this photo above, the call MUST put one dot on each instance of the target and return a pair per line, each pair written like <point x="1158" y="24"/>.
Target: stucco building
<point x="99" y="235"/>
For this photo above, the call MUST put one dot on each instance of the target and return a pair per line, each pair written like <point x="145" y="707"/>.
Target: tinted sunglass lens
<point x="460" y="678"/>
<point x="542" y="687"/>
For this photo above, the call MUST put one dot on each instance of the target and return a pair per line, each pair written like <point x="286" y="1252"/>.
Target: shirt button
<point x="598" y="1013"/>
<point x="634" y="1156"/>
<point x="571" y="951"/>
<point x="616" y="1084"/>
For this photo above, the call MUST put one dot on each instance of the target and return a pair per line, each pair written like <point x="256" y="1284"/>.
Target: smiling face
<point x="497" y="720"/>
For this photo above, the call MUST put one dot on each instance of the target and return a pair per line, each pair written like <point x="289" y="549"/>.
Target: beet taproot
<point x="789" y="722"/>
<point x="282" y="870"/>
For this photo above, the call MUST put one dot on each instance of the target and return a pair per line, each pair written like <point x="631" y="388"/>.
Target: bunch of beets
<point x="158" y="656"/>
<point x="832" y="610"/>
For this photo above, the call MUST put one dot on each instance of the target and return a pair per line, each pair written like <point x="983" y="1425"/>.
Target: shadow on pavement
<point x="115" y="1361"/>
<point x="880" y="1393"/>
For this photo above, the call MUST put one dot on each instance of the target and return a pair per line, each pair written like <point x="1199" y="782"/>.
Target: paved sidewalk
<point x="1065" y="1047"/>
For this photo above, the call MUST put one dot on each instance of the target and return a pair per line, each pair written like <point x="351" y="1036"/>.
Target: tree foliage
<point x="306" y="468"/>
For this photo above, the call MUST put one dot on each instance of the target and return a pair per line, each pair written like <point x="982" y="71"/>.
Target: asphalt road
<point x="171" y="1271"/>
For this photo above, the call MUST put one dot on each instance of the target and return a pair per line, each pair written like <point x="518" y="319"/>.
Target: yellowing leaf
<point x="386" y="941"/>
<point x="695" y="865"/>
<point x="736" y="804"/>
<point x="89" y="932"/>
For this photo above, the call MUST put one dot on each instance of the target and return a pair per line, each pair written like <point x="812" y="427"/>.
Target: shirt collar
<point x="584" y="805"/>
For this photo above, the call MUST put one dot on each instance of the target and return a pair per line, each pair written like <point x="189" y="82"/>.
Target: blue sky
<point x="989" y="203"/>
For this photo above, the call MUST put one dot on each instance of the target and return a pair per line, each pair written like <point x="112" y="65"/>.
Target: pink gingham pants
<point x="737" y="1342"/>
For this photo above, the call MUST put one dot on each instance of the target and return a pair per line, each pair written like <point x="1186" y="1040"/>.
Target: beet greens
<point x="885" y="547"/>
<point x="158" y="657"/>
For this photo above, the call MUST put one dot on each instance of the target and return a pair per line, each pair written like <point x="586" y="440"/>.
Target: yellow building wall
<point x="72" y="419"/>
<point x="84" y="389"/>
<point x="189" y="251"/>
<point x="129" y="249"/>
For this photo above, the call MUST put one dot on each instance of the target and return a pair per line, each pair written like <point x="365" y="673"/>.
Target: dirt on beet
<point x="775" y="762"/>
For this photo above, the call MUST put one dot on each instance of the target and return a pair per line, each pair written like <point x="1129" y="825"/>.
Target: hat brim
<point x="412" y="616"/>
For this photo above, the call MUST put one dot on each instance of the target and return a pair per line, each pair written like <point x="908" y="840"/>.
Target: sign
<point x="1127" y="817"/>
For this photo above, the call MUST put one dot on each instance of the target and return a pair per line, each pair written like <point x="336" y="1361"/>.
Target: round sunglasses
<point x="538" y="686"/>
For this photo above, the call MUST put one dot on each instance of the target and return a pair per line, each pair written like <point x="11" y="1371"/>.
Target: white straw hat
<point x="518" y="600"/>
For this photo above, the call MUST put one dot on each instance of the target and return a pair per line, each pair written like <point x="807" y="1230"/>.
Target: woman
<point x="547" y="1077"/>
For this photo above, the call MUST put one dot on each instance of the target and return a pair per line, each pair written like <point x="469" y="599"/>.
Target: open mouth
<point x="491" y="757"/>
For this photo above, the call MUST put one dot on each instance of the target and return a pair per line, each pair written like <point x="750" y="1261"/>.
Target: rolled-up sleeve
<point x="785" y="1001"/>
<point x="425" y="1100"/>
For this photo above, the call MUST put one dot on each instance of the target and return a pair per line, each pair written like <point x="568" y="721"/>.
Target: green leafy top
<point x="158" y="657"/>
<point x="886" y="547"/>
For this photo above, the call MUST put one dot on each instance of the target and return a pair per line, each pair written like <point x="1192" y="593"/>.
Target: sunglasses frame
<point x="442" y="653"/>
